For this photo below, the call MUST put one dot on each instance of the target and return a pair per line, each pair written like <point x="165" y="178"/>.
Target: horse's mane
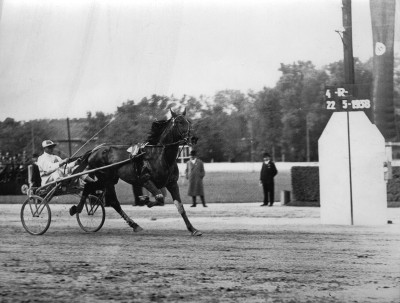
<point x="157" y="128"/>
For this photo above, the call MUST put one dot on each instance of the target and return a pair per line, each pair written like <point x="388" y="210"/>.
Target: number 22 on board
<point x="330" y="105"/>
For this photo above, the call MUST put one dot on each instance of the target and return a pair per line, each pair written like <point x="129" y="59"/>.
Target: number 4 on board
<point x="328" y="94"/>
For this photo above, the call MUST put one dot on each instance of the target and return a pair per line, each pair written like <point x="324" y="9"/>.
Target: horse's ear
<point x="184" y="112"/>
<point x="173" y="114"/>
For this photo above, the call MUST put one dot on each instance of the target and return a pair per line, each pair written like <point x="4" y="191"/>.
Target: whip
<point x="112" y="119"/>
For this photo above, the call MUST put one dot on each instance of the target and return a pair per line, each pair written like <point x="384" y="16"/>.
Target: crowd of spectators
<point x="13" y="167"/>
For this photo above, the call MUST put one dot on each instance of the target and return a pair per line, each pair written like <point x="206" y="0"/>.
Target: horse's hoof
<point x="73" y="210"/>
<point x="144" y="199"/>
<point x="137" y="229"/>
<point x="197" y="233"/>
<point x="155" y="203"/>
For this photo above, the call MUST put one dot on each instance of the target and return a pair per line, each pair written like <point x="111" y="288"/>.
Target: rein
<point x="171" y="144"/>
<point x="180" y="142"/>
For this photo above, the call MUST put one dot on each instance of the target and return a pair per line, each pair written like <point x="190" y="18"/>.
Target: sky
<point x="63" y="58"/>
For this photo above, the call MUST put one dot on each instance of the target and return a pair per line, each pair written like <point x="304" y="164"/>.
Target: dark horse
<point x="154" y="169"/>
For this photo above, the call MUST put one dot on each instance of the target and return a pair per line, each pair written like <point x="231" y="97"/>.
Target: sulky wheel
<point x="93" y="214"/>
<point x="35" y="215"/>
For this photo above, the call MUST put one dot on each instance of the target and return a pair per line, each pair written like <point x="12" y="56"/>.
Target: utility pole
<point x="348" y="44"/>
<point x="33" y="138"/>
<point x="69" y="138"/>
<point x="349" y="79"/>
<point x="307" y="139"/>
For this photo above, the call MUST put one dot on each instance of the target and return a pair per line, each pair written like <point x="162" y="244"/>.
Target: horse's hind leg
<point x="131" y="223"/>
<point x="173" y="188"/>
<point x="111" y="196"/>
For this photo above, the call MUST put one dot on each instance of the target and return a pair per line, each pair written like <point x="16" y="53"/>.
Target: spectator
<point x="268" y="172"/>
<point x="195" y="174"/>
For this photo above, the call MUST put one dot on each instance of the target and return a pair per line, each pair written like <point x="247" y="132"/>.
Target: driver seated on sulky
<point x="51" y="166"/>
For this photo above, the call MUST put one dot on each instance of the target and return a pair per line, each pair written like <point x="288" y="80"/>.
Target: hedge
<point x="305" y="184"/>
<point x="393" y="186"/>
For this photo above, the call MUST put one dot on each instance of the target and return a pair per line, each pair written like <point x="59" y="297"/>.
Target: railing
<point x="184" y="154"/>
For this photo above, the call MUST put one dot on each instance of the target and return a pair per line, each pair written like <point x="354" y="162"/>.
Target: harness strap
<point x="180" y="142"/>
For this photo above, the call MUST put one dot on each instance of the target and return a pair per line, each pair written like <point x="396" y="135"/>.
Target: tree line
<point x="285" y="120"/>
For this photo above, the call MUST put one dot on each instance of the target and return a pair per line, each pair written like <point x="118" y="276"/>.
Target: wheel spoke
<point x="92" y="217"/>
<point x="35" y="215"/>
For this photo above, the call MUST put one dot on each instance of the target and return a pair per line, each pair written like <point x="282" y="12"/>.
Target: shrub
<point x="393" y="186"/>
<point x="305" y="183"/>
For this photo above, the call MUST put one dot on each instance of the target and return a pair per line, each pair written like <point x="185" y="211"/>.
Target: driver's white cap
<point x="47" y="143"/>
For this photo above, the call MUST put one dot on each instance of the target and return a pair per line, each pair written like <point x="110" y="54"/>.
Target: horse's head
<point x="181" y="128"/>
<point x="175" y="131"/>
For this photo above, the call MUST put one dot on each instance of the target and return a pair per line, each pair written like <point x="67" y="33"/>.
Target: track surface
<point x="246" y="254"/>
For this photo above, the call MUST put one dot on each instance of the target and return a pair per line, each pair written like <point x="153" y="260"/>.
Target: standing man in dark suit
<point x="268" y="172"/>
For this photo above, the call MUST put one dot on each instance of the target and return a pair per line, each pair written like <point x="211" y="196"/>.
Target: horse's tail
<point x="82" y="162"/>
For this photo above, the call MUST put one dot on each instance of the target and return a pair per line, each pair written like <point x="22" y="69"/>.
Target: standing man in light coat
<point x="195" y="174"/>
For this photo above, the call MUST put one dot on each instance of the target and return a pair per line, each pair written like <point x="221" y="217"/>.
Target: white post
<point x="365" y="202"/>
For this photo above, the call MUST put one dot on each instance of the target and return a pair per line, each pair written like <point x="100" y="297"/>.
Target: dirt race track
<point x="246" y="254"/>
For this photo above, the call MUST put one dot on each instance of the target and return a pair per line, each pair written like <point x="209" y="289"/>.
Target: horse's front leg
<point x="173" y="188"/>
<point x="111" y="199"/>
<point x="157" y="193"/>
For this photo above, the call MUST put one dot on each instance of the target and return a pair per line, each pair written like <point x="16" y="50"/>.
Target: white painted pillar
<point x="368" y="202"/>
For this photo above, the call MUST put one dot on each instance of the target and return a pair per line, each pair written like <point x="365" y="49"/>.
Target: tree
<point x="95" y="124"/>
<point x="17" y="136"/>
<point x="268" y="113"/>
<point x="194" y="108"/>
<point x="301" y="89"/>
<point x="211" y="139"/>
<point x="128" y="127"/>
<point x="290" y="86"/>
<point x="133" y="121"/>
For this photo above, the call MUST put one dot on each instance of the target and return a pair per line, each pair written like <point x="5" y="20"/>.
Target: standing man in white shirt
<point x="50" y="164"/>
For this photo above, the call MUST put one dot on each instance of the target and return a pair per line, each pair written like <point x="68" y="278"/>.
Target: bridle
<point x="180" y="133"/>
<point x="185" y="139"/>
